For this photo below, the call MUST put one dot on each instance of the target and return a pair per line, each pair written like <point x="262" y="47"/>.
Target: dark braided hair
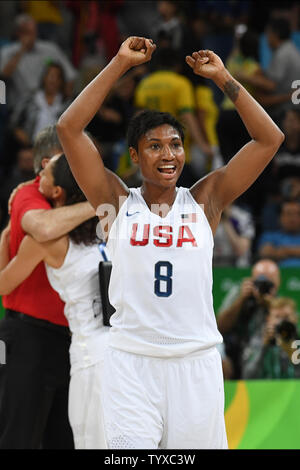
<point x="63" y="177"/>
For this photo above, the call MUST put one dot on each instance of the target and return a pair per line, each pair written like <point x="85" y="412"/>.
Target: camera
<point x="263" y="284"/>
<point x="287" y="330"/>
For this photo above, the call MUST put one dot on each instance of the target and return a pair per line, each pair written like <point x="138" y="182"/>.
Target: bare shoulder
<point x="56" y="251"/>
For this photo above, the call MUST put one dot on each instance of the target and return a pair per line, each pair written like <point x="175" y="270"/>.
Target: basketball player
<point x="163" y="384"/>
<point x="72" y="267"/>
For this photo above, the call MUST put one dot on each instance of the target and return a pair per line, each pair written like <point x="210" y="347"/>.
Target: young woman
<point x="72" y="268"/>
<point x="162" y="383"/>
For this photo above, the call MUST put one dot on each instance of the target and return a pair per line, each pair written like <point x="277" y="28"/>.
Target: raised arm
<point x="229" y="182"/>
<point x="99" y="185"/>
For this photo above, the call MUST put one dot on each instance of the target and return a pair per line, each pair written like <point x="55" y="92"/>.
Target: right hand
<point x="136" y="51"/>
<point x="247" y="288"/>
<point x="14" y="192"/>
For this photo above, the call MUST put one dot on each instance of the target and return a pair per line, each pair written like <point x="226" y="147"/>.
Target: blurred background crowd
<point x="49" y="50"/>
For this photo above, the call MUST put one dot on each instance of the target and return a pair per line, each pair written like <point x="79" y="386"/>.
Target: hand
<point x="247" y="288"/>
<point x="269" y="333"/>
<point x="205" y="63"/>
<point x="136" y="51"/>
<point x="5" y="234"/>
<point x="14" y="192"/>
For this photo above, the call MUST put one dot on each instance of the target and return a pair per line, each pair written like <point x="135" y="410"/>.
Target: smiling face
<point x="160" y="155"/>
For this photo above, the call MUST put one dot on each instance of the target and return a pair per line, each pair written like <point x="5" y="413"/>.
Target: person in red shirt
<point x="34" y="381"/>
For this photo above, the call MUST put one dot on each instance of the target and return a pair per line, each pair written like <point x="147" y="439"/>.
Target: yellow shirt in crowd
<point x="44" y="11"/>
<point x="167" y="91"/>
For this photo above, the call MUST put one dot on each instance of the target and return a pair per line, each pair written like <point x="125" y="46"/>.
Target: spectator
<point x="283" y="245"/>
<point x="22" y="62"/>
<point x="287" y="161"/>
<point x="244" y="309"/>
<point x="268" y="355"/>
<point x="171" y="25"/>
<point x="232" y="134"/>
<point x="110" y="123"/>
<point x="233" y="238"/>
<point x="285" y="175"/>
<point x="48" y="17"/>
<point x="166" y="90"/>
<point x="42" y="108"/>
<point x="284" y="67"/>
<point x="243" y="65"/>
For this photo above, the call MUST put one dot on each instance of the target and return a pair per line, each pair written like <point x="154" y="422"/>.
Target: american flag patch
<point x="191" y="218"/>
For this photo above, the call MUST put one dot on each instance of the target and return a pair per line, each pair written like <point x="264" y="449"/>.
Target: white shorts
<point x="163" y="403"/>
<point x="85" y="408"/>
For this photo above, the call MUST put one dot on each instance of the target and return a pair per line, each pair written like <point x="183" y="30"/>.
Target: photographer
<point x="243" y="313"/>
<point x="269" y="352"/>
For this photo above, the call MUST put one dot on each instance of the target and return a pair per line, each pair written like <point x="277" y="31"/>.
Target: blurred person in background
<point x="244" y="309"/>
<point x="269" y="353"/>
<point x="285" y="177"/>
<point x="283" y="245"/>
<point x="22" y="62"/>
<point x="42" y="108"/>
<point x="243" y="64"/>
<point x="109" y="125"/>
<point x="284" y="67"/>
<point x="171" y="24"/>
<point x="287" y="160"/>
<point x="233" y="238"/>
<point x="47" y="15"/>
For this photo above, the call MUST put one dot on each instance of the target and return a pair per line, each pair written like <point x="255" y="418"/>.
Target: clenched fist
<point x="136" y="51"/>
<point x="205" y="63"/>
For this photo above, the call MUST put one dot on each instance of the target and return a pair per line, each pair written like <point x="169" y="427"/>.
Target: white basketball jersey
<point x="77" y="283"/>
<point x="161" y="281"/>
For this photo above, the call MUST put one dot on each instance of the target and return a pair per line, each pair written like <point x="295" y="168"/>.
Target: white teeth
<point x="167" y="166"/>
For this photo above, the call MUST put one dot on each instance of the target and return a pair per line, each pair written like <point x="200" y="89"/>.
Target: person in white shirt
<point x="22" y="62"/>
<point x="163" y="383"/>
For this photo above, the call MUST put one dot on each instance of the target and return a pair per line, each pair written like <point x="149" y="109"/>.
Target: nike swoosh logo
<point x="129" y="215"/>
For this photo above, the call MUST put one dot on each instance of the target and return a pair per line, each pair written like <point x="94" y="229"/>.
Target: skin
<point x="13" y="272"/>
<point x="215" y="191"/>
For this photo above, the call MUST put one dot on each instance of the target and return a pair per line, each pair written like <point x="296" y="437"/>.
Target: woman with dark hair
<point x="162" y="382"/>
<point x="43" y="107"/>
<point x="72" y="267"/>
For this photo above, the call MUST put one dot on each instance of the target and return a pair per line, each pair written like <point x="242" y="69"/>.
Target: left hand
<point x="205" y="63"/>
<point x="14" y="192"/>
<point x="5" y="234"/>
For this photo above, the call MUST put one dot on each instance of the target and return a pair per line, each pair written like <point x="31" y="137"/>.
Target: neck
<point x="158" y="194"/>
<point x="50" y="96"/>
